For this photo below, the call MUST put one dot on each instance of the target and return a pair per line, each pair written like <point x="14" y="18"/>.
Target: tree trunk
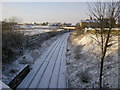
<point x="103" y="56"/>
<point x="101" y="71"/>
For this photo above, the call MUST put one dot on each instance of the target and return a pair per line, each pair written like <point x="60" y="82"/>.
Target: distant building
<point x="93" y="23"/>
<point x="54" y="25"/>
<point x="88" y="23"/>
<point x="84" y="24"/>
<point x="67" y="24"/>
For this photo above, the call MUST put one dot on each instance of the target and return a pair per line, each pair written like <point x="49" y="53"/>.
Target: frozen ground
<point x="9" y="71"/>
<point x="31" y="32"/>
<point x="83" y="63"/>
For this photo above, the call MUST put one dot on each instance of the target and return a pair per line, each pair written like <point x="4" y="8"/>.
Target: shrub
<point x="85" y="77"/>
<point x="77" y="51"/>
<point x="12" y="43"/>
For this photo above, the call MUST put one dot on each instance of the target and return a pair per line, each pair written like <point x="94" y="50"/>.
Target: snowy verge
<point x="10" y="70"/>
<point x="83" y="63"/>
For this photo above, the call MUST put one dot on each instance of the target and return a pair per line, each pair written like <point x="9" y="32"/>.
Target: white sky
<point x="61" y="11"/>
<point x="71" y="12"/>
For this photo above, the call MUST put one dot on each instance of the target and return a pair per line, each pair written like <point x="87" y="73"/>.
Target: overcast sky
<point x="30" y="11"/>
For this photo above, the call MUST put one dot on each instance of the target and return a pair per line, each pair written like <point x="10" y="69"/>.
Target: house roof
<point x="88" y="21"/>
<point x="84" y="21"/>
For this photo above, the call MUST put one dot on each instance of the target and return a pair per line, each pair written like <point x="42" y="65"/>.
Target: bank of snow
<point x="10" y="70"/>
<point x="83" y="63"/>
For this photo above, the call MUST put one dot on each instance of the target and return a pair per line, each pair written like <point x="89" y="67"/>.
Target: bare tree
<point x="12" y="21"/>
<point x="104" y="12"/>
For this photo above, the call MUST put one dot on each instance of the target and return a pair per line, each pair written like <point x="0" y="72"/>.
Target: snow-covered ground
<point x="9" y="71"/>
<point x="33" y="26"/>
<point x="31" y="32"/>
<point x="83" y="63"/>
<point x="36" y="29"/>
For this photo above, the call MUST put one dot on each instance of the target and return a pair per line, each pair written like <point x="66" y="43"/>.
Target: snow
<point x="9" y="71"/>
<point x="3" y="85"/>
<point x="83" y="63"/>
<point x="31" y="32"/>
<point x="33" y="26"/>
<point x="36" y="29"/>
